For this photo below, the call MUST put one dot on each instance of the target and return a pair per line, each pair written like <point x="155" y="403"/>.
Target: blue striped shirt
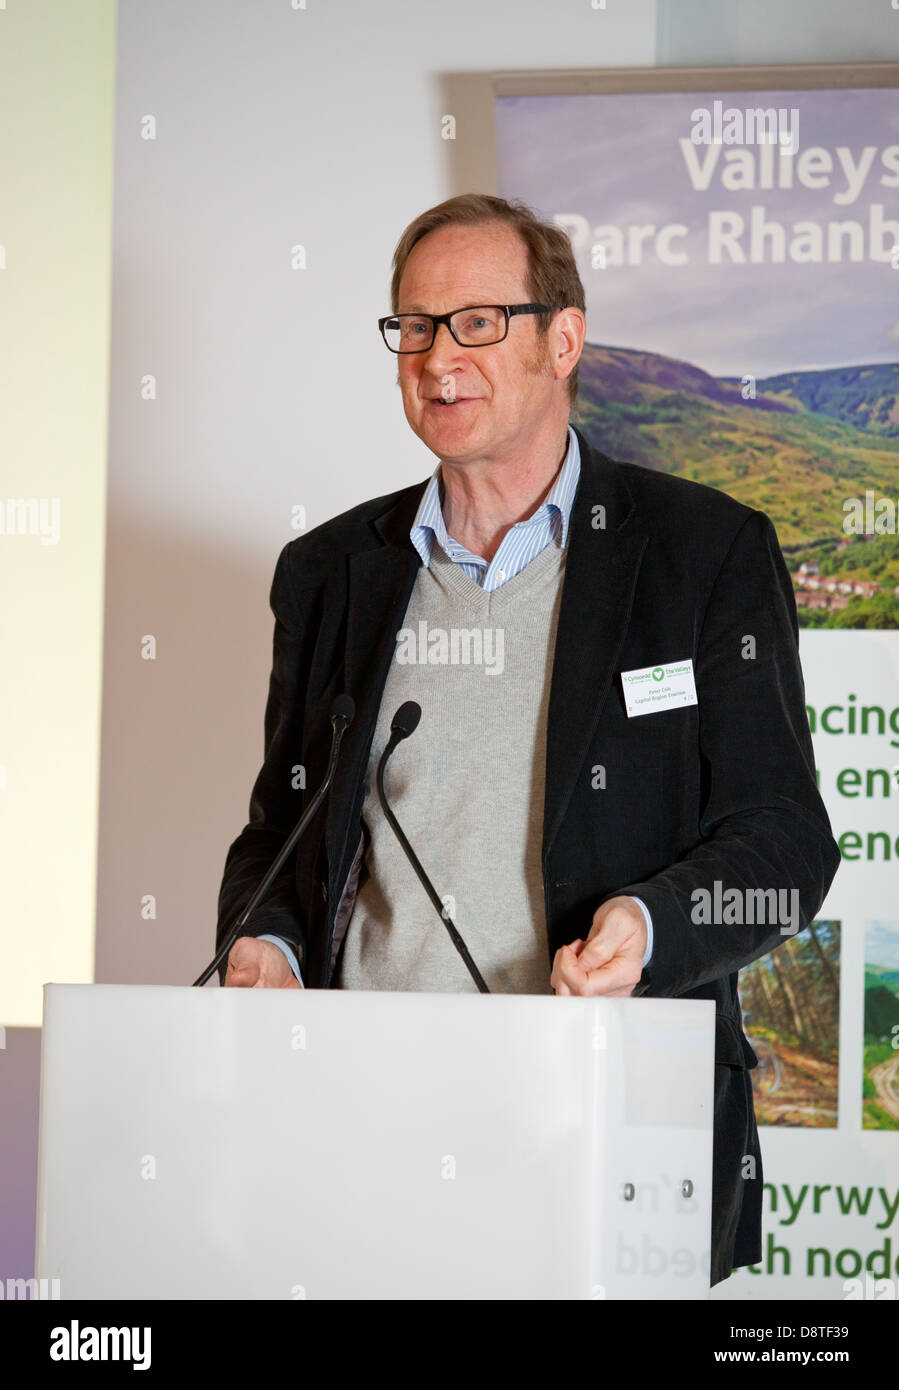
<point x="522" y="543"/>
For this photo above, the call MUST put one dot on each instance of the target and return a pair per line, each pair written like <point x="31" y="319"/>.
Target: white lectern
<point x="317" y="1144"/>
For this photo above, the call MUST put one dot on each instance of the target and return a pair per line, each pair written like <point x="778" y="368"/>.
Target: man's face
<point x="503" y="391"/>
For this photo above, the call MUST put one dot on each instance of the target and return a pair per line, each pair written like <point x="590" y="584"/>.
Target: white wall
<point x="703" y="33"/>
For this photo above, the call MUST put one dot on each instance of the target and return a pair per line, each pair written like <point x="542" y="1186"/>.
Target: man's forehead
<point x="457" y="299"/>
<point x="421" y="294"/>
<point x="457" y="266"/>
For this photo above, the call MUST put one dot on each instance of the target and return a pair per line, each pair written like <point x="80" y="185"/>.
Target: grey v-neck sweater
<point x="467" y="788"/>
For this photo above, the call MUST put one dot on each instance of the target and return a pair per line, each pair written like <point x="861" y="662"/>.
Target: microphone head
<point x="343" y="707"/>
<point x="405" y="721"/>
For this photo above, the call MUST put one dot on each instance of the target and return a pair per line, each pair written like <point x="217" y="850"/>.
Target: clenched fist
<point x="610" y="961"/>
<point x="254" y="964"/>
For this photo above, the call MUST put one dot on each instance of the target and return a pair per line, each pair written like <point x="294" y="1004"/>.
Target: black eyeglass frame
<point x="509" y="311"/>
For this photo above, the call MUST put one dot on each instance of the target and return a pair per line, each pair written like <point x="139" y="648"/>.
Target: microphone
<point x="405" y="722"/>
<point x="342" y="712"/>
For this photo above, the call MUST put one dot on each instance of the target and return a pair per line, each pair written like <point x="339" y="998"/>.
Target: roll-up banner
<point x="737" y="233"/>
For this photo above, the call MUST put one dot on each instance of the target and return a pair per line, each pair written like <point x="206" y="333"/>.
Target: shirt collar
<point x="429" y="524"/>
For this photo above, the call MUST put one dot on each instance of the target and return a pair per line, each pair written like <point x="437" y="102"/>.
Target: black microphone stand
<point x="342" y="712"/>
<point x="405" y="722"/>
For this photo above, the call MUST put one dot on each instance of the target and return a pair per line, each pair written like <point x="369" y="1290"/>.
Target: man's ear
<point x="568" y="333"/>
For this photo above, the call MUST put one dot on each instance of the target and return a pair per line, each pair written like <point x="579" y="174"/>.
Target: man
<point x="578" y="837"/>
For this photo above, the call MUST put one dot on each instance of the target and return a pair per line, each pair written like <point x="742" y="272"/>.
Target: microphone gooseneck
<point x="342" y="712"/>
<point x="404" y="723"/>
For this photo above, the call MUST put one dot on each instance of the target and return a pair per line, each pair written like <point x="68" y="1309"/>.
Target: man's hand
<point x="610" y="961"/>
<point x="254" y="964"/>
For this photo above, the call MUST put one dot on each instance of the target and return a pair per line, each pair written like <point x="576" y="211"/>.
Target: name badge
<point x="655" y="688"/>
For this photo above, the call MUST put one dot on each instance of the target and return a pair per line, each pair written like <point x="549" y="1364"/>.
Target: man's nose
<point x="443" y="351"/>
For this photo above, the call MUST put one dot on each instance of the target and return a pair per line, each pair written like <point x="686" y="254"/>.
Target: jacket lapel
<point x="379" y="583"/>
<point x="601" y="571"/>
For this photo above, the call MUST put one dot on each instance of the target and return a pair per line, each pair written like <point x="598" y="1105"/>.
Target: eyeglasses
<point x="479" y="325"/>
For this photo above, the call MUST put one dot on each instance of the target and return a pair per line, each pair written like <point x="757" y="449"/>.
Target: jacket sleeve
<point x="275" y="804"/>
<point x="763" y="824"/>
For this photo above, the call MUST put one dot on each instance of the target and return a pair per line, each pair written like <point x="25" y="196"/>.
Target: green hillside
<point x="866" y="397"/>
<point x="882" y="975"/>
<point x="881" y="1012"/>
<point x="773" y="453"/>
